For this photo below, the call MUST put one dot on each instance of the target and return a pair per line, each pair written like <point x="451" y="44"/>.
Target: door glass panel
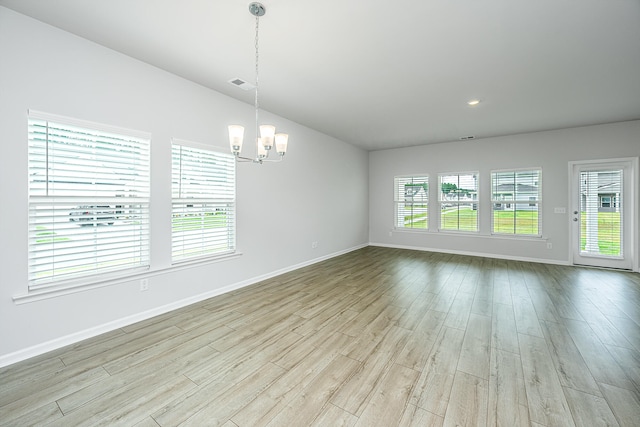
<point x="601" y="213"/>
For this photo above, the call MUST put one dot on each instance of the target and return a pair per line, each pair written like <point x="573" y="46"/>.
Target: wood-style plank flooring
<point x="377" y="337"/>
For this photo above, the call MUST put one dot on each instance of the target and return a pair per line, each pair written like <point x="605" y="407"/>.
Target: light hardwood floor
<point x="377" y="337"/>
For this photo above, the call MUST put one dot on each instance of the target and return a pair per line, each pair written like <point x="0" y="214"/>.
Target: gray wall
<point x="319" y="193"/>
<point x="552" y="151"/>
<point x="325" y="191"/>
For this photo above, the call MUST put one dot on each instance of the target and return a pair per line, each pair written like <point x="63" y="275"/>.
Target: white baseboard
<point x="57" y="343"/>
<point x="468" y="253"/>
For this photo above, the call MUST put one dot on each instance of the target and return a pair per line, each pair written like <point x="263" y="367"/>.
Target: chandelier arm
<point x="272" y="160"/>
<point x="245" y="159"/>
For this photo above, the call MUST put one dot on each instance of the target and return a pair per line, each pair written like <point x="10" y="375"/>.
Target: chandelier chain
<point x="256" y="103"/>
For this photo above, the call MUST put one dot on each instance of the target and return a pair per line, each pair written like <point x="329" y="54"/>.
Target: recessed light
<point x="473" y="102"/>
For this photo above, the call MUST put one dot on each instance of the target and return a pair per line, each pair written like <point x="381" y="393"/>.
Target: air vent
<point x="466" y="138"/>
<point x="238" y="82"/>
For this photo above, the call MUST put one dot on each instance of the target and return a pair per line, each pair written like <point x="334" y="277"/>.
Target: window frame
<point x="458" y="203"/>
<point x="61" y="198"/>
<point x="401" y="200"/>
<point x="515" y="202"/>
<point x="181" y="205"/>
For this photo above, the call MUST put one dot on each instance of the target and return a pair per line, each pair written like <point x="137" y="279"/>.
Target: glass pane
<point x="526" y="218"/>
<point x="68" y="240"/>
<point x="71" y="161"/>
<point x="503" y="219"/>
<point x="458" y="187"/>
<point x="463" y="216"/>
<point x="515" y="185"/>
<point x="601" y="223"/>
<point x="200" y="229"/>
<point x="518" y="218"/>
<point x="412" y="215"/>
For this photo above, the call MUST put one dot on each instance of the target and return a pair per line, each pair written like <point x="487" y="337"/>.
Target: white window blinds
<point x="88" y="200"/>
<point x="516" y="198"/>
<point x="412" y="202"/>
<point x="203" y="201"/>
<point x="601" y="207"/>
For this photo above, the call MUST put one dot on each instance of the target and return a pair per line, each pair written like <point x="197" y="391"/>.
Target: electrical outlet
<point x="144" y="284"/>
<point x="549" y="245"/>
<point x="314" y="245"/>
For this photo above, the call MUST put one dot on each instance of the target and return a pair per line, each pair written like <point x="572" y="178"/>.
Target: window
<point x="88" y="200"/>
<point x="521" y="216"/>
<point x="459" y="201"/>
<point x="605" y="201"/>
<point x="203" y="201"/>
<point x="412" y="201"/>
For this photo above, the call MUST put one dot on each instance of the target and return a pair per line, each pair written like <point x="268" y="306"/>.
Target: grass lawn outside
<point x="462" y="218"/>
<point x="519" y="222"/>
<point x="190" y="223"/>
<point x="60" y="241"/>
<point x="417" y="218"/>
<point x="608" y="233"/>
<point x="459" y="218"/>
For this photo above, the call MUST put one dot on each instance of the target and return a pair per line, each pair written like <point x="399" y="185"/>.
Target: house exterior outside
<point x="608" y="190"/>
<point x="510" y="193"/>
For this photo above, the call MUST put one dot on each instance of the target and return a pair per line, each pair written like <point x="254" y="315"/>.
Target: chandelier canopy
<point x="267" y="133"/>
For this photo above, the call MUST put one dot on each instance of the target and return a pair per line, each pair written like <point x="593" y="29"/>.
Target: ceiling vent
<point x="466" y="138"/>
<point x="238" y="82"/>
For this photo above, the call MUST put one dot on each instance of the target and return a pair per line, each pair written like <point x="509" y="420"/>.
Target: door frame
<point x="634" y="211"/>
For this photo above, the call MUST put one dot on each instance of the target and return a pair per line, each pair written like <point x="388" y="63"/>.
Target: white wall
<point x="282" y="207"/>
<point x="552" y="151"/>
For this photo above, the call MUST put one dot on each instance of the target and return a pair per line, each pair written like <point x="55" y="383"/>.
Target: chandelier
<point x="268" y="136"/>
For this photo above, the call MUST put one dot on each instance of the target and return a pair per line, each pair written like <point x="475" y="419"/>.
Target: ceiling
<point x="388" y="73"/>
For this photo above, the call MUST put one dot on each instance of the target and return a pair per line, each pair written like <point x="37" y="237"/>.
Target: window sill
<point x="412" y="230"/>
<point x="58" y="291"/>
<point x="519" y="238"/>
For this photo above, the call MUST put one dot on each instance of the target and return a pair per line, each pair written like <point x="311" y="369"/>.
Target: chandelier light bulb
<point x="262" y="151"/>
<point x="267" y="133"/>
<point x="281" y="143"/>
<point x="236" y="135"/>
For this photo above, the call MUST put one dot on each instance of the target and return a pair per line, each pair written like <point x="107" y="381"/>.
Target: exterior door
<point x="602" y="213"/>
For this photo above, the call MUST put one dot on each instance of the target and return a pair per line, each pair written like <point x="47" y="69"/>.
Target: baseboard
<point x="468" y="253"/>
<point x="57" y="343"/>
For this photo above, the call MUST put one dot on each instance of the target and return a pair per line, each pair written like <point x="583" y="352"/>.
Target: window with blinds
<point x="516" y="197"/>
<point x="203" y="202"/>
<point x="412" y="202"/>
<point x="88" y="200"/>
<point x="601" y="207"/>
<point x="458" y="197"/>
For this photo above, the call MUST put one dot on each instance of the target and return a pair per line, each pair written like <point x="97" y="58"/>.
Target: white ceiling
<point x="388" y="73"/>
